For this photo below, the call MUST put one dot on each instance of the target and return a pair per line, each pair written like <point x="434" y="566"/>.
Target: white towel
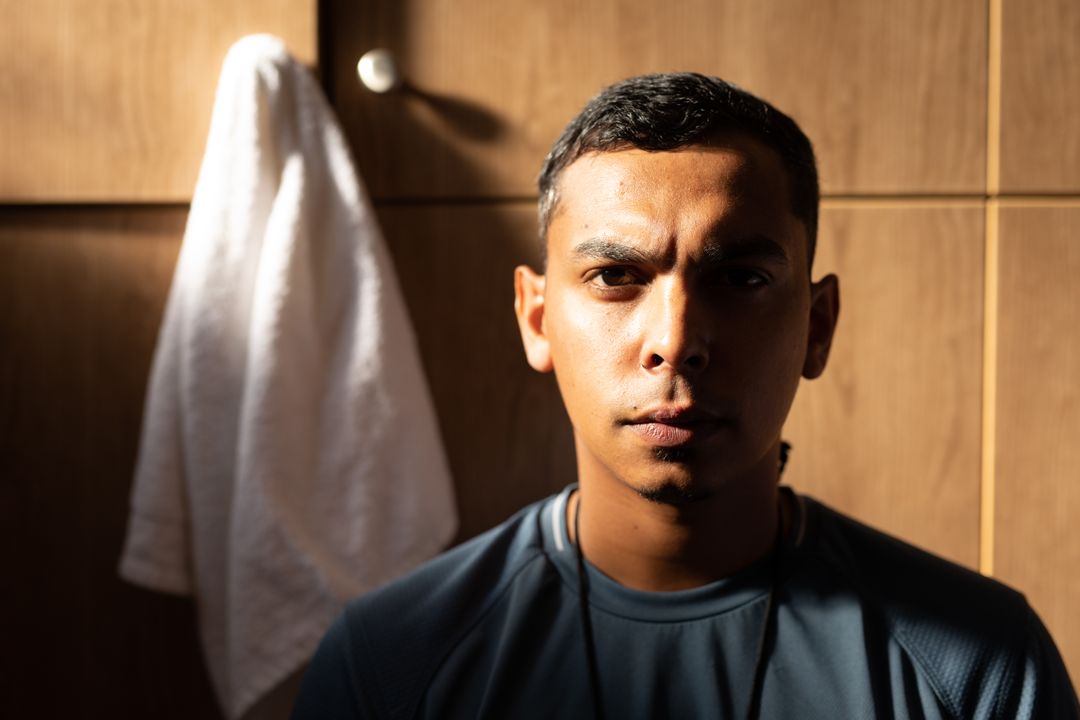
<point x="290" y="457"/>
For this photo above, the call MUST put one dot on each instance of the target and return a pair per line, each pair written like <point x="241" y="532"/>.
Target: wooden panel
<point x="893" y="94"/>
<point x="1040" y="137"/>
<point x="891" y="432"/>
<point x="81" y="296"/>
<point x="507" y="435"/>
<point x="1038" y="416"/>
<point x="110" y="100"/>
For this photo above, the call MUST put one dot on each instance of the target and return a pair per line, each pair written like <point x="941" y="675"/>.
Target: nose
<point x="676" y="331"/>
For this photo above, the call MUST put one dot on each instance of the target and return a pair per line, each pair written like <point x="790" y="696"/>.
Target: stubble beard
<point x="668" y="492"/>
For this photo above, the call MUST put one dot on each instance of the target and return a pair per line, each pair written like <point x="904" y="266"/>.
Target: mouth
<point x="675" y="426"/>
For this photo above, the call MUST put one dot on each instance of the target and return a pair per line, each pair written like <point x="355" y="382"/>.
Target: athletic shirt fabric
<point x="867" y="627"/>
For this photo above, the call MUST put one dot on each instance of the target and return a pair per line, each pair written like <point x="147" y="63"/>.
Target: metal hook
<point x="379" y="72"/>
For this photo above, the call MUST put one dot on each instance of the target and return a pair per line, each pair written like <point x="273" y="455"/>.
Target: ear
<point x="529" y="308"/>
<point x="824" y="310"/>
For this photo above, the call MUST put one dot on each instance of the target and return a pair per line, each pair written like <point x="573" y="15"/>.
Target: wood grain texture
<point x="1040" y="136"/>
<point x="892" y="94"/>
<point x="506" y="433"/>
<point x="891" y="432"/>
<point x="111" y="99"/>
<point x="1038" y="411"/>
<point x="81" y="295"/>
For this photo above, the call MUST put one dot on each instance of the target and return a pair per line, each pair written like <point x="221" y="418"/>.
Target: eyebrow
<point x="600" y="249"/>
<point x="754" y="246"/>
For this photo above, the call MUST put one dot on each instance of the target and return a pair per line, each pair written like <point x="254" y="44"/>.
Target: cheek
<point x="773" y="361"/>
<point x="591" y="346"/>
<point x="589" y="339"/>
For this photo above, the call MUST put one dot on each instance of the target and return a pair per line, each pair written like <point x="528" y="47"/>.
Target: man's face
<point x="677" y="314"/>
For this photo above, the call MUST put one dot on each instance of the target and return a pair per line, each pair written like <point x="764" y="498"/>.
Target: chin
<point x="681" y="476"/>
<point x="673" y="493"/>
<point x="674" y="482"/>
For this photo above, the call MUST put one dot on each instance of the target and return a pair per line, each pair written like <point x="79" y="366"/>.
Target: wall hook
<point x="378" y="71"/>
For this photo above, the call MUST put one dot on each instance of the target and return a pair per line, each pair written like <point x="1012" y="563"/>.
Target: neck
<point x="656" y="547"/>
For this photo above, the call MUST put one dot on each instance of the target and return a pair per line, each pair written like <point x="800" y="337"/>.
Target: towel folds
<point x="290" y="457"/>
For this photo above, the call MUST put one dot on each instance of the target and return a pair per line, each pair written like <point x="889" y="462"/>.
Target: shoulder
<point x="387" y="644"/>
<point x="454" y="588"/>
<point x="977" y="641"/>
<point x="910" y="584"/>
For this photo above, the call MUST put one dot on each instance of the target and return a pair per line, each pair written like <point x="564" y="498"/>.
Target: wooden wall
<point x="104" y="109"/>
<point x="1033" y="399"/>
<point x="949" y="156"/>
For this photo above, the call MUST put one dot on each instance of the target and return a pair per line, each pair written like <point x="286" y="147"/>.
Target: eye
<point x="743" y="277"/>
<point x="614" y="277"/>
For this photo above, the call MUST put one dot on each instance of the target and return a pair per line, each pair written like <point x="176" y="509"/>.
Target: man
<point x="676" y="579"/>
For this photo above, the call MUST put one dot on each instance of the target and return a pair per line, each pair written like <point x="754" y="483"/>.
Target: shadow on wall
<point x="82" y="289"/>
<point x="455" y="246"/>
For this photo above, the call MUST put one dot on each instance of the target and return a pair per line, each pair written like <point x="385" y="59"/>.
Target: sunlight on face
<point x="676" y="312"/>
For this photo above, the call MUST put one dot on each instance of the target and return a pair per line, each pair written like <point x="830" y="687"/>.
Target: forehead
<point x="733" y="185"/>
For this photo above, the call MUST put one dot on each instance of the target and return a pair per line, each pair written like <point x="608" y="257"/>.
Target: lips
<point x="674" y="426"/>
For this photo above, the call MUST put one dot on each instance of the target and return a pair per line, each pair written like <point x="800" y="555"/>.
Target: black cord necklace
<point x="586" y="621"/>
<point x="768" y="626"/>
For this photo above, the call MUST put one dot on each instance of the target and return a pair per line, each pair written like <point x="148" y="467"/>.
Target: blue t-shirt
<point x="866" y="627"/>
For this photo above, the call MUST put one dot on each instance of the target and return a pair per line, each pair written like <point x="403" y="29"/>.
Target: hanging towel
<point x="290" y="457"/>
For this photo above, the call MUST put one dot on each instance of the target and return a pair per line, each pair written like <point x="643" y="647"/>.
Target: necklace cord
<point x="768" y="629"/>
<point x="586" y="620"/>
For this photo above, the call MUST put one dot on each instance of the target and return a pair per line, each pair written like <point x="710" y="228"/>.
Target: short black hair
<point x="672" y="110"/>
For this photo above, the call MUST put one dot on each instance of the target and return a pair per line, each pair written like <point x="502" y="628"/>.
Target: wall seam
<point x="988" y="479"/>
